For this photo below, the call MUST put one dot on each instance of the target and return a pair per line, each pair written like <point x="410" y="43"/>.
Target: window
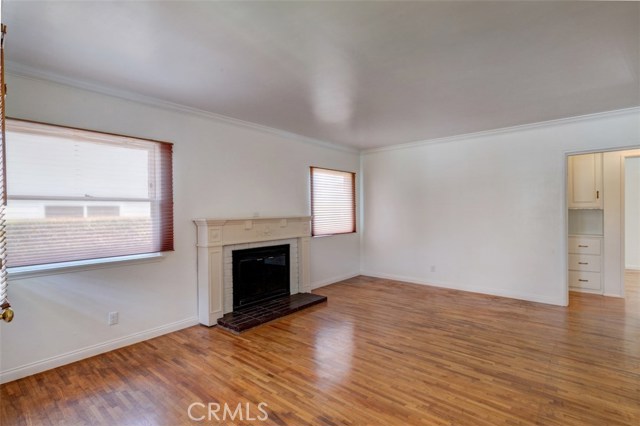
<point x="333" y="201"/>
<point x="78" y="195"/>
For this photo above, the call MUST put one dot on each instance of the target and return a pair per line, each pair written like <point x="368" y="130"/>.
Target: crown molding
<point x="503" y="130"/>
<point x="26" y="71"/>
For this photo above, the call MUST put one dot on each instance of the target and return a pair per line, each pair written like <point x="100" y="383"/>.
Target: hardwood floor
<point x="632" y="285"/>
<point x="378" y="353"/>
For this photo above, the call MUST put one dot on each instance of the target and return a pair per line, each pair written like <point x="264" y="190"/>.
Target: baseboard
<point x="322" y="283"/>
<point x="613" y="295"/>
<point x="89" y="351"/>
<point x="472" y="289"/>
<point x="633" y="267"/>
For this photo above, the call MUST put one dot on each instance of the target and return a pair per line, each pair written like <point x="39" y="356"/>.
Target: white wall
<point x="632" y="212"/>
<point x="220" y="170"/>
<point x="487" y="211"/>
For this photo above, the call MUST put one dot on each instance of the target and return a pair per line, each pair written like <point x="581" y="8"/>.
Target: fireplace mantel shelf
<point x="214" y="234"/>
<point x="221" y="222"/>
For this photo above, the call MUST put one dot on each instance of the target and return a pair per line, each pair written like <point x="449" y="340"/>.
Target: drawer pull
<point x="583" y="281"/>
<point x="583" y="263"/>
<point x="581" y="246"/>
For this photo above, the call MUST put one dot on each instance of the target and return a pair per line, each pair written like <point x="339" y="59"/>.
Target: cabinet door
<point x="585" y="181"/>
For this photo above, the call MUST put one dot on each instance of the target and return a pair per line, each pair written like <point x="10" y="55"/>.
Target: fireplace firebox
<point x="260" y="274"/>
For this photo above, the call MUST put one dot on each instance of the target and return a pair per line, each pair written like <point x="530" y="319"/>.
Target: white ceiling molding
<point x="37" y="74"/>
<point x="503" y="130"/>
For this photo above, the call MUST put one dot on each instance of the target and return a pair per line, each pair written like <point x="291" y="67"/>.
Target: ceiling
<point x="362" y="74"/>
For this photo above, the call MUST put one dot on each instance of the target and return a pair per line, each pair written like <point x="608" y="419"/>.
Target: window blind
<point x="78" y="194"/>
<point x="333" y="201"/>
<point x="6" y="313"/>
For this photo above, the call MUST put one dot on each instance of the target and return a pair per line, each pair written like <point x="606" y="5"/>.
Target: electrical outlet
<point x="113" y="318"/>
<point x="433" y="268"/>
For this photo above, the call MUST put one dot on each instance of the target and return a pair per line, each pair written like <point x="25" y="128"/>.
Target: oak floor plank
<point x="379" y="352"/>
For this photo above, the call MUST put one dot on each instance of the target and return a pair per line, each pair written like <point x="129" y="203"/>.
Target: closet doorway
<point x="603" y="222"/>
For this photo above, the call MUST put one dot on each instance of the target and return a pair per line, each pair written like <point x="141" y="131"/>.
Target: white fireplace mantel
<point x="215" y="234"/>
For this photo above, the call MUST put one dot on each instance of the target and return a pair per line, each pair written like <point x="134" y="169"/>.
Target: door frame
<point x="623" y="208"/>
<point x="565" y="212"/>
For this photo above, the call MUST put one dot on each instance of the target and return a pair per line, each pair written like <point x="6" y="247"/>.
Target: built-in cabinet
<point x="586" y="242"/>
<point x="585" y="263"/>
<point x="585" y="181"/>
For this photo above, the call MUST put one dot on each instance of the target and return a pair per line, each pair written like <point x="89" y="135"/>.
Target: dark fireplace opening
<point x="260" y="274"/>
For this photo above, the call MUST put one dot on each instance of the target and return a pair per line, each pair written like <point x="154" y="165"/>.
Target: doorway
<point x="603" y="222"/>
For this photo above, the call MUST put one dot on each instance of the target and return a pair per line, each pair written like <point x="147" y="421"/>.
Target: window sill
<point x="334" y="235"/>
<point x="23" y="272"/>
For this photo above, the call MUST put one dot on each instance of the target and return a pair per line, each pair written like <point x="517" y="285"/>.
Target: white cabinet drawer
<point x="584" y="262"/>
<point x="584" y="245"/>
<point x="585" y="280"/>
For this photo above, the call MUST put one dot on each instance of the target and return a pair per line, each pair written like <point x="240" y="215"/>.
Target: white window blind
<point x="333" y="201"/>
<point x="77" y="194"/>
<point x="6" y="313"/>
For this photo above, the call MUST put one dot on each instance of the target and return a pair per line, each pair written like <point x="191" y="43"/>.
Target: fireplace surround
<point x="218" y="238"/>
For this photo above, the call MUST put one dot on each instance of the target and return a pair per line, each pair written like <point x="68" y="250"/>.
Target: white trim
<point x="472" y="289"/>
<point x="502" y="130"/>
<point x="89" y="351"/>
<point x="322" y="283"/>
<point x="37" y="74"/>
<point x="564" y="202"/>
<point x="360" y="211"/>
<point x="633" y="267"/>
<point x="623" y="224"/>
<point x="23" y="272"/>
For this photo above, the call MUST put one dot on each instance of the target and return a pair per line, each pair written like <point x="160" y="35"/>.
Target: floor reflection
<point x="333" y="354"/>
